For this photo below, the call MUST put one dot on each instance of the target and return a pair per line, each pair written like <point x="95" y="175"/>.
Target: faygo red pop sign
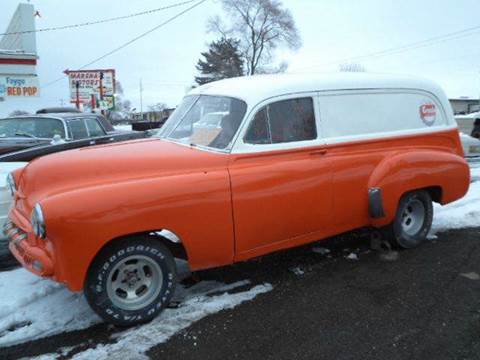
<point x="19" y="86"/>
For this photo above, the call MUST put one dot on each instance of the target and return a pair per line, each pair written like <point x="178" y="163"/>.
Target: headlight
<point x="38" y="222"/>
<point x="11" y="184"/>
<point x="474" y="149"/>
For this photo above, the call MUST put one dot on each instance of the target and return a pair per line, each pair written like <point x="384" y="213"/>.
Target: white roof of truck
<point x="254" y="89"/>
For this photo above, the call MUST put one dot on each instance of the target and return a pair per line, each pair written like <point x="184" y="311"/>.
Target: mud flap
<point x="375" y="203"/>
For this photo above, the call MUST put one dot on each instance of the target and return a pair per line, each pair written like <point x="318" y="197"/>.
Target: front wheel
<point x="413" y="220"/>
<point x="131" y="281"/>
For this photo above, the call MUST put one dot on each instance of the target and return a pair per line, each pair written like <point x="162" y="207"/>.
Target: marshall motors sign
<point x="87" y="86"/>
<point x="14" y="86"/>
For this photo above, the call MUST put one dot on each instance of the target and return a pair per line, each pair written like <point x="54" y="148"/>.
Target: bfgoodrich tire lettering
<point x="413" y="220"/>
<point x="131" y="281"/>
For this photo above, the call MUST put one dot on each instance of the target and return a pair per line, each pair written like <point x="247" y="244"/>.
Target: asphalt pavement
<point x="416" y="304"/>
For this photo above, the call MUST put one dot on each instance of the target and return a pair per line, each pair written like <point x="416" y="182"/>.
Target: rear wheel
<point x="131" y="281"/>
<point x="413" y="220"/>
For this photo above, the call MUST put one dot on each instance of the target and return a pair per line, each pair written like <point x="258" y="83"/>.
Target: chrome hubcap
<point x="413" y="217"/>
<point x="134" y="282"/>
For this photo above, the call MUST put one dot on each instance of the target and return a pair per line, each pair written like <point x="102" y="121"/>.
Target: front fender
<point x="196" y="207"/>
<point x="411" y="170"/>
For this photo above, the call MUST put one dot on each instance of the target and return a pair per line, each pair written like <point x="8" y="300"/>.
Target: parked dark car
<point x="42" y="150"/>
<point x="476" y="129"/>
<point x="21" y="132"/>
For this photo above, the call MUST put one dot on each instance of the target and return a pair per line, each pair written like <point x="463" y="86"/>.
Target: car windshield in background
<point x="210" y="121"/>
<point x="31" y="127"/>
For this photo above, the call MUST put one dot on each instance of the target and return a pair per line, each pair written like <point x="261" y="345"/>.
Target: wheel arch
<point x="445" y="176"/>
<point x="165" y="236"/>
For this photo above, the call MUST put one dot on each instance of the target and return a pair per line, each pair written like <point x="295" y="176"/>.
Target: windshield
<point x="210" y="121"/>
<point x="31" y="127"/>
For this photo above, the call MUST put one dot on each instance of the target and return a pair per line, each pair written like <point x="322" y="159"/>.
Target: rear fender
<point x="413" y="170"/>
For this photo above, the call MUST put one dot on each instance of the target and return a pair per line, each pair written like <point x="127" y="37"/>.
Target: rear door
<point x="280" y="177"/>
<point x="78" y="129"/>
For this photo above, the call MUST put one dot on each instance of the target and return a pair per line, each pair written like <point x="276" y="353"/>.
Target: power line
<point x="132" y="41"/>
<point x="102" y="21"/>
<point x="408" y="47"/>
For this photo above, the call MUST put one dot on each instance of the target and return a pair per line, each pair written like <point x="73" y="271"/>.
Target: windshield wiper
<point x="21" y="133"/>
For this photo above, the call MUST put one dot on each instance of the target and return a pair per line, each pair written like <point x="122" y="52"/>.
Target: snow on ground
<point x="36" y="308"/>
<point x="133" y="343"/>
<point x="32" y="307"/>
<point x="463" y="213"/>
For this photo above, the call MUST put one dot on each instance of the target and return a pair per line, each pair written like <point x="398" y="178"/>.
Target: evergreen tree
<point x="221" y="61"/>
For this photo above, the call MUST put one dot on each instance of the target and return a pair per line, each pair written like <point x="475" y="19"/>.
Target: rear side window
<point x="78" y="129"/>
<point x="364" y="114"/>
<point x="283" y="122"/>
<point x="105" y="124"/>
<point x="94" y="127"/>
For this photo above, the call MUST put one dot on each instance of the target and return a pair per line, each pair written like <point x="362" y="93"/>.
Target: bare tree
<point x="157" y="107"/>
<point x="352" y="67"/>
<point x="261" y="26"/>
<point x="19" y="113"/>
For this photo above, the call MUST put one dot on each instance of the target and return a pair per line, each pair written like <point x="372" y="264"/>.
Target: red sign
<point x="428" y="113"/>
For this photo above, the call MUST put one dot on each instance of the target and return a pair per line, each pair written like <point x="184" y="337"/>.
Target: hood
<point x="112" y="163"/>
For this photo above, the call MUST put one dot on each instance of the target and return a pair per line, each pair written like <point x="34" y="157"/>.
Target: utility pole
<point x="141" y="99"/>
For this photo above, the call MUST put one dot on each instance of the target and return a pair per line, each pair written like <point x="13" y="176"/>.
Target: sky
<point x="332" y="31"/>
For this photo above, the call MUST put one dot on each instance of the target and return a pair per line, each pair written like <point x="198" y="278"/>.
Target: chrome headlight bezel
<point x="474" y="149"/>
<point x="38" y="222"/>
<point x="12" y="187"/>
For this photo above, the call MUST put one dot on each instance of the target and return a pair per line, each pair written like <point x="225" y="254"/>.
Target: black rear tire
<point x="131" y="281"/>
<point x="412" y="222"/>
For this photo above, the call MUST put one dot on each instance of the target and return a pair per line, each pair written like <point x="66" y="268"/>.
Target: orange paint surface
<point x="224" y="207"/>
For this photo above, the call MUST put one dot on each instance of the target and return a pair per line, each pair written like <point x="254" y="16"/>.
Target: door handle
<point x="319" y="152"/>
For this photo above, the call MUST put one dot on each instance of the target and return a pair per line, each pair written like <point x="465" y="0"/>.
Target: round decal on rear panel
<point x="428" y="113"/>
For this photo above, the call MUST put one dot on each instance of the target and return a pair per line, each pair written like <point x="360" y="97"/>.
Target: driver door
<point x="281" y="178"/>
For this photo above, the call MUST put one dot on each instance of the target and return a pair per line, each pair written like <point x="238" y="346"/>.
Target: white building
<point x="18" y="56"/>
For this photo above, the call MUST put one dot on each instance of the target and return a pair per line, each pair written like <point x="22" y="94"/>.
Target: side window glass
<point x="48" y="128"/>
<point x="78" y="129"/>
<point x="282" y="122"/>
<point x="94" y="127"/>
<point x="292" y="120"/>
<point x="27" y="126"/>
<point x="259" y="132"/>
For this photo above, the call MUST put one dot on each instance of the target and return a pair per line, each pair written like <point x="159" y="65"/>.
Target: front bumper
<point x="26" y="249"/>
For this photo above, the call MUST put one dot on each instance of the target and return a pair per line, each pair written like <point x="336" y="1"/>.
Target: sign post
<point x="77" y="95"/>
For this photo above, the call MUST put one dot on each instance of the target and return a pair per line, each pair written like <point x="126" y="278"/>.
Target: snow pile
<point x="32" y="307"/>
<point x="321" y="250"/>
<point x="297" y="271"/>
<point x="133" y="343"/>
<point x="36" y="308"/>
<point x="123" y="127"/>
<point x="352" y="256"/>
<point x="463" y="213"/>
